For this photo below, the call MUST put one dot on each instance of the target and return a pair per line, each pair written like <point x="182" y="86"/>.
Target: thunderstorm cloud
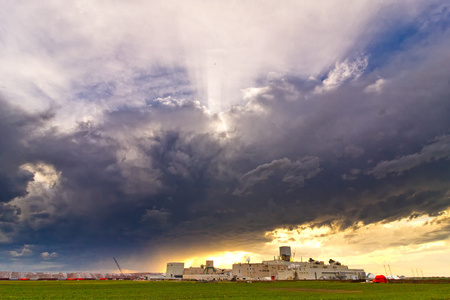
<point x="129" y="129"/>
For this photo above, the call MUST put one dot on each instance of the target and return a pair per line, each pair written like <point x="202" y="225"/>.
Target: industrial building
<point x="280" y="268"/>
<point x="207" y="272"/>
<point x="175" y="270"/>
<point x="283" y="268"/>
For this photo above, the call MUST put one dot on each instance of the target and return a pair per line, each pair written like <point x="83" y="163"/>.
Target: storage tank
<point x="285" y="253"/>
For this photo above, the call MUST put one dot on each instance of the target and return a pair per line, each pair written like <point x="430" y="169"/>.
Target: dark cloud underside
<point x="352" y="149"/>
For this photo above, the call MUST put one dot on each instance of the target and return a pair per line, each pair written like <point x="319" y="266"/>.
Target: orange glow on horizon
<point x="362" y="246"/>
<point x="223" y="260"/>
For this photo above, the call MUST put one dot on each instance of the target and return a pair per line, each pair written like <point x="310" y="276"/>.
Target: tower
<point x="285" y="253"/>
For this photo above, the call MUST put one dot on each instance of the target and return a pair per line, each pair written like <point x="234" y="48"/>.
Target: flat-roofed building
<point x="283" y="268"/>
<point x="207" y="272"/>
<point x="175" y="270"/>
<point x="280" y="268"/>
<point x="256" y="271"/>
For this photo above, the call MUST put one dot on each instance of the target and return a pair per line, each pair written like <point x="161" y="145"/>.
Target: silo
<point x="285" y="253"/>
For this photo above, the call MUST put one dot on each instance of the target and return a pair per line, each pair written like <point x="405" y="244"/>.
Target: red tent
<point x="380" y="279"/>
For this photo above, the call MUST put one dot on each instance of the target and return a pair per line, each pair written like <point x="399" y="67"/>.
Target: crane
<point x="118" y="267"/>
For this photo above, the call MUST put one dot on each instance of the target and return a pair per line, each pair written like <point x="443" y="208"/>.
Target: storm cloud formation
<point x="153" y="149"/>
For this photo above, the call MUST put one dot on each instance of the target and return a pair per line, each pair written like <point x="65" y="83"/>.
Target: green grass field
<point x="218" y="290"/>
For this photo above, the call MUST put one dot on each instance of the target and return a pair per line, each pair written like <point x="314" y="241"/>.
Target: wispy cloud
<point x="25" y="251"/>
<point x="342" y="72"/>
<point x="438" y="149"/>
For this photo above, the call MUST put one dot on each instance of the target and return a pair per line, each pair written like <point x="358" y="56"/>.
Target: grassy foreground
<point x="218" y="290"/>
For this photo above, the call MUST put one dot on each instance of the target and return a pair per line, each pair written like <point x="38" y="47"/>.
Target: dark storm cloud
<point x="290" y="173"/>
<point x="439" y="149"/>
<point x="161" y="171"/>
<point x="368" y="143"/>
<point x="115" y="183"/>
<point x="15" y="127"/>
<point x="353" y="130"/>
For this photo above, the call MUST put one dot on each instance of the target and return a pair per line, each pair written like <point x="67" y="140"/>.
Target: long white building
<point x="280" y="268"/>
<point x="285" y="269"/>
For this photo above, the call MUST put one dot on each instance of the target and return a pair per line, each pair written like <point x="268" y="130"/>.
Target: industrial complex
<point x="280" y="268"/>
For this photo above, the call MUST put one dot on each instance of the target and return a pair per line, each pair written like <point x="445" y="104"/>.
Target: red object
<point x="380" y="279"/>
<point x="24" y="278"/>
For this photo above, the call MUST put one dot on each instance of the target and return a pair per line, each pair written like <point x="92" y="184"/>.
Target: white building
<point x="285" y="269"/>
<point x="280" y="268"/>
<point x="318" y="270"/>
<point x="175" y="270"/>
<point x="207" y="273"/>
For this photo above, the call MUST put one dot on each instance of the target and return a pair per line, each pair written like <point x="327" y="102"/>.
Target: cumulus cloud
<point x="375" y="87"/>
<point x="40" y="204"/>
<point x="48" y="255"/>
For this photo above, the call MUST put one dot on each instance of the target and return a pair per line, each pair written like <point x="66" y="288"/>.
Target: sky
<point x="159" y="131"/>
